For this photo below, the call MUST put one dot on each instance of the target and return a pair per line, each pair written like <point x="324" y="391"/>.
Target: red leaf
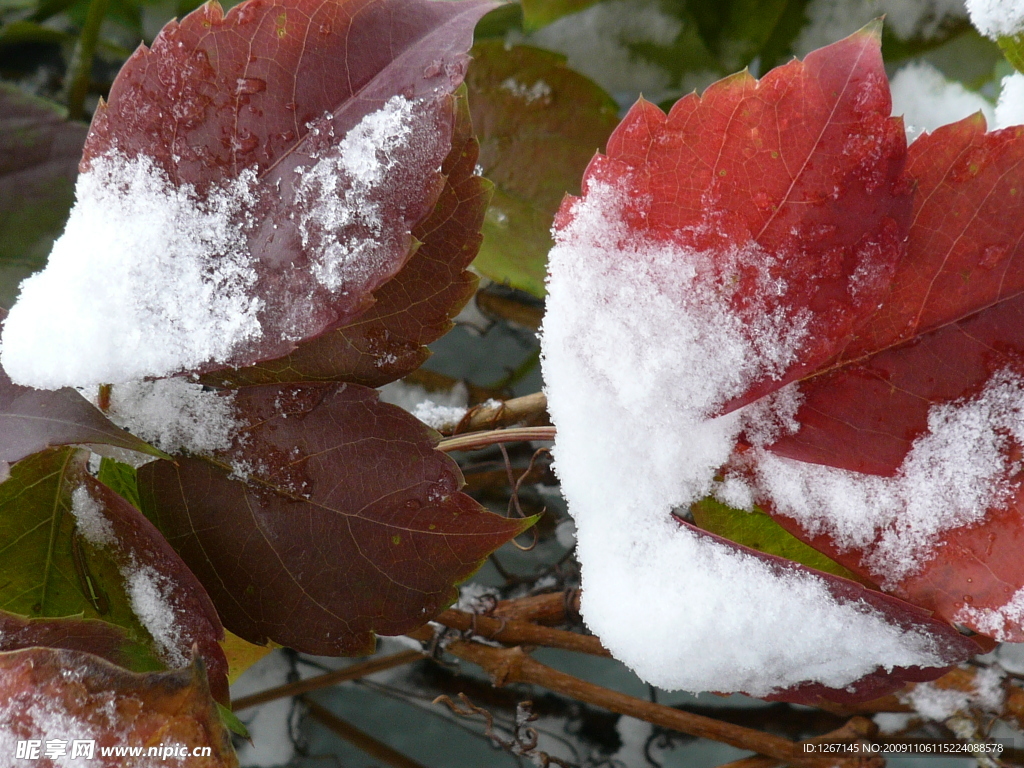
<point x="99" y="638"/>
<point x="953" y="324"/>
<point x="805" y="163"/>
<point x="308" y="150"/>
<point x="65" y="695"/>
<point x="743" y="243"/>
<point x="953" y="647"/>
<point x="965" y="254"/>
<point x="175" y="608"/>
<point x="347" y="521"/>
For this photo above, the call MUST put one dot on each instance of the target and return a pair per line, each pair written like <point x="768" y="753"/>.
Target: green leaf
<point x="759" y="531"/>
<point x="1013" y="49"/>
<point x="738" y="31"/>
<point x="47" y="570"/>
<point x="121" y="479"/>
<point x="499" y="22"/>
<point x="230" y="721"/>
<point x="539" y="123"/>
<point x="777" y="48"/>
<point x="538" y="13"/>
<point x="73" y="547"/>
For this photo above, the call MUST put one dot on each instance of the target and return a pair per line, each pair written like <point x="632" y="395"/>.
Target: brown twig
<point x="475" y="440"/>
<point x="353" y="672"/>
<point x="550" y="608"/>
<point x="378" y="750"/>
<point x="513" y="665"/>
<point x="505" y="413"/>
<point x="516" y="632"/>
<point x="755" y="761"/>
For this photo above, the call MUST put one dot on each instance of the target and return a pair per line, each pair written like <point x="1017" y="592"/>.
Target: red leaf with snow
<point x="75" y="697"/>
<point x="951" y="335"/>
<point x="280" y="155"/>
<point x="805" y="163"/>
<point x="953" y="648"/>
<point x="168" y="599"/>
<point x="32" y="421"/>
<point x="742" y="243"/>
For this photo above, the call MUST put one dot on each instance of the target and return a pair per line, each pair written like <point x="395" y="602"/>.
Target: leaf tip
<point x="528" y="522"/>
<point x="872" y="29"/>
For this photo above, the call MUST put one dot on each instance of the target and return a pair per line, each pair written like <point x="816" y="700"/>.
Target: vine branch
<point x="505" y="413"/>
<point x="327" y="680"/>
<point x="513" y="665"/>
<point x="378" y="750"/>
<point x="516" y="632"/>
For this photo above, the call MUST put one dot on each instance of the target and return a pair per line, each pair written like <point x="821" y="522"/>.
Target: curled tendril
<point x="524" y="738"/>
<point x="515" y="484"/>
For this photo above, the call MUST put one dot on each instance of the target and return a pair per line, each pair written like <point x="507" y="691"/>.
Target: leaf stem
<point x="80" y="70"/>
<point x="353" y="672"/>
<point x="476" y="440"/>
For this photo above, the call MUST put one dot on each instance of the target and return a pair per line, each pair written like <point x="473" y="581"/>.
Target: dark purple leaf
<point x="412" y="309"/>
<point x="274" y="86"/>
<point x="331" y="518"/>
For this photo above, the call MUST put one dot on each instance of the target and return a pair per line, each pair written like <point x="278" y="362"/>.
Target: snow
<point x="639" y="348"/>
<point x="935" y="703"/>
<point x="565" y="533"/>
<point x="160" y="278"/>
<point x="341" y="222"/>
<point x="528" y="93"/>
<point x="997" y="18"/>
<point x="890" y="723"/>
<point x="997" y="623"/>
<point x="175" y="414"/>
<point x="30" y="715"/>
<point x="438" y="410"/>
<point x="829" y="21"/>
<point x="156" y="279"/>
<point x="1009" y="656"/>
<point x="438" y="416"/>
<point x="950" y="478"/>
<point x="90" y="521"/>
<point x="928" y="100"/>
<point x="1010" y="107"/>
<point x="151" y="593"/>
<point x="152" y="598"/>
<point x="940" y="704"/>
<point x="268" y="724"/>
